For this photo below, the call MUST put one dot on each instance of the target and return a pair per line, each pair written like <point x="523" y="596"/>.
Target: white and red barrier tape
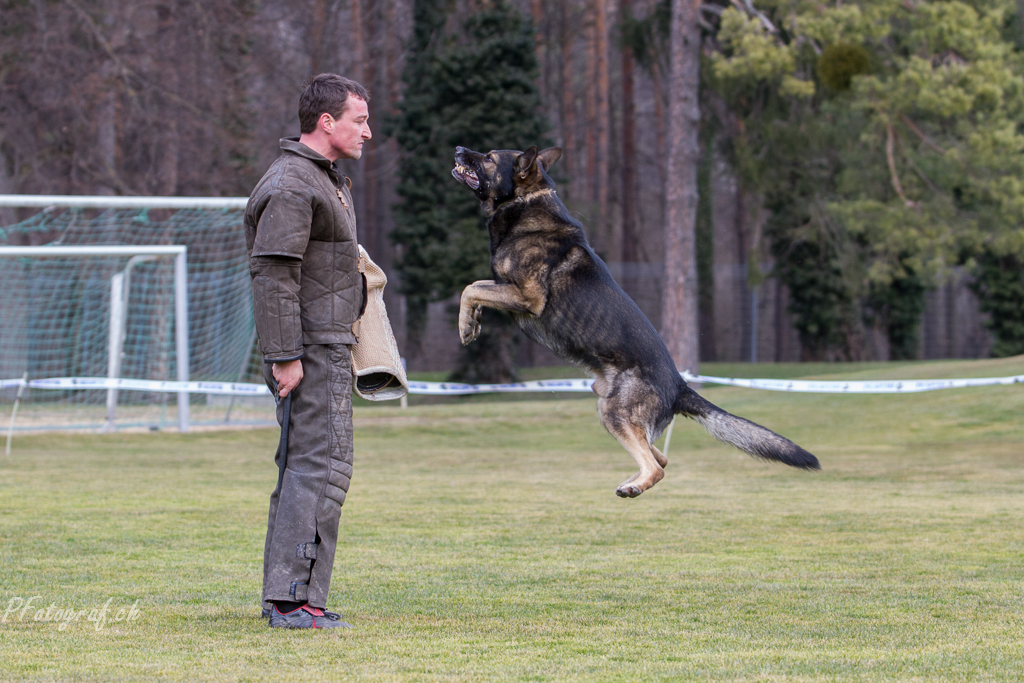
<point x="896" y="386"/>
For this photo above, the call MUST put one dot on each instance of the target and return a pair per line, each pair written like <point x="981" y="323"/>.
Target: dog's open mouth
<point x="465" y="176"/>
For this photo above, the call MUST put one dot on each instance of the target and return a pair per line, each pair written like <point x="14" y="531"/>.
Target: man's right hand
<point x="288" y="376"/>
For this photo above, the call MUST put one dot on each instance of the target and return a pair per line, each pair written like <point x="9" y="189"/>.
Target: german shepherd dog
<point x="562" y="296"/>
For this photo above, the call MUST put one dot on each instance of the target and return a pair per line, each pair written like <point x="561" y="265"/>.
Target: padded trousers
<point x="305" y="508"/>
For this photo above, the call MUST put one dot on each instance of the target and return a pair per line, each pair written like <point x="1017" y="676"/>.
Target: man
<point x="300" y="233"/>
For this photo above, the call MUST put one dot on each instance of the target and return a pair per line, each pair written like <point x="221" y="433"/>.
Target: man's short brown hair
<point x="326" y="93"/>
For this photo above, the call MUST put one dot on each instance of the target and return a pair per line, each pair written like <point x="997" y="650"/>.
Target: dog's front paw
<point x="469" y="323"/>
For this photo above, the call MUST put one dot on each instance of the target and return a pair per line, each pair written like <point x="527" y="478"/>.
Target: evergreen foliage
<point x="839" y="63"/>
<point x="648" y="38"/>
<point x="474" y="87"/>
<point x="1000" y="288"/>
<point x="886" y="139"/>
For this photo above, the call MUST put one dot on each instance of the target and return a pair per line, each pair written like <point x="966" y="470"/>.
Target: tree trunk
<point x="659" y="110"/>
<point x="316" y="34"/>
<point x="603" y="123"/>
<point x="366" y="74"/>
<point x="166" y="172"/>
<point x="568" y="101"/>
<point x="358" y="45"/>
<point x="590" y="123"/>
<point x="679" y="298"/>
<point x="8" y="215"/>
<point x="629" y="250"/>
<point x="537" y="15"/>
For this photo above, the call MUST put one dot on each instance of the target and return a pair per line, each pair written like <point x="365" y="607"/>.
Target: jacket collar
<point x="295" y="147"/>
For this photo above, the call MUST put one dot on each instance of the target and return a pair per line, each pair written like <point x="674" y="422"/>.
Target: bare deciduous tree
<point x="628" y="162"/>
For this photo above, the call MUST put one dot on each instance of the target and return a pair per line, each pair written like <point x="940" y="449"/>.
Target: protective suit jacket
<point x="300" y="232"/>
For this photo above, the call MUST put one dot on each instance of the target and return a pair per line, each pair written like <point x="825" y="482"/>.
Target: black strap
<point x="366" y="296"/>
<point x="282" y="446"/>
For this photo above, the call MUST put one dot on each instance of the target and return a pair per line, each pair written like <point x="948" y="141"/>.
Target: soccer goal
<point x="134" y="289"/>
<point x="49" y="292"/>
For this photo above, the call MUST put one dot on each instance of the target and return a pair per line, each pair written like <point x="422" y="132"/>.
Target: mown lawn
<point x="482" y="541"/>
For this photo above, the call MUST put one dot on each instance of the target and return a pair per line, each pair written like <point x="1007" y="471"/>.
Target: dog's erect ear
<point x="525" y="161"/>
<point x="550" y="156"/>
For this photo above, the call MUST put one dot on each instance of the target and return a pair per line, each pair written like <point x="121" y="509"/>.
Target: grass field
<point x="482" y="541"/>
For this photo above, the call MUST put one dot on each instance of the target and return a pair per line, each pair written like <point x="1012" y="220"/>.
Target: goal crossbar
<point x="43" y="201"/>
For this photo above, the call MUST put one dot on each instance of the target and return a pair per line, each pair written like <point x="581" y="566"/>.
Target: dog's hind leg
<point x="659" y="456"/>
<point x="633" y="438"/>
<point x="651" y="472"/>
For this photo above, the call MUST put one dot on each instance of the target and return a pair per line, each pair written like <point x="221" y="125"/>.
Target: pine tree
<point x="886" y="138"/>
<point x="473" y="87"/>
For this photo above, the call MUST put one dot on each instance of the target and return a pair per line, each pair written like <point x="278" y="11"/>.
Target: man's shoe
<point x="265" y="614"/>
<point x="306" y="617"/>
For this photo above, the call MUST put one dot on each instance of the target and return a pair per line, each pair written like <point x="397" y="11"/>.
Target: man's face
<point x="348" y="133"/>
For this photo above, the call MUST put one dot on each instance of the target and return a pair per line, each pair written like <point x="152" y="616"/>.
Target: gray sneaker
<point x="306" y="617"/>
<point x="265" y="614"/>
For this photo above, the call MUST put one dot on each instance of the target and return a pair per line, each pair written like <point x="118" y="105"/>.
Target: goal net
<point x="70" y="314"/>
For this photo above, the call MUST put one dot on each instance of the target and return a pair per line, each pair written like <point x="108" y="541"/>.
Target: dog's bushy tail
<point x="745" y="435"/>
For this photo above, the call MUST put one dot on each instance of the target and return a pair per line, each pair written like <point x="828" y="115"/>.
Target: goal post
<point x="133" y="288"/>
<point x="180" y="255"/>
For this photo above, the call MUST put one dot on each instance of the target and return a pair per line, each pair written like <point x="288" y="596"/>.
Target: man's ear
<point x="550" y="156"/>
<point x="524" y="162"/>
<point x="325" y="122"/>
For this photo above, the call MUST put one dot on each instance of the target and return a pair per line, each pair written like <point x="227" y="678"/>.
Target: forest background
<point x="868" y="151"/>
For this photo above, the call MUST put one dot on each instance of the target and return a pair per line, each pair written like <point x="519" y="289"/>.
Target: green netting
<point x="55" y="313"/>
